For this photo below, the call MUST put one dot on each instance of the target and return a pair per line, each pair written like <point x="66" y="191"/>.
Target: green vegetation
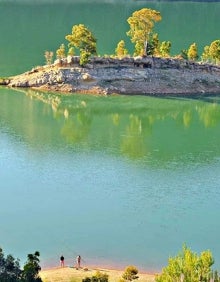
<point x="130" y="274"/>
<point x="82" y="39"/>
<point x="61" y="52"/>
<point x="98" y="277"/>
<point x="192" y="52"/>
<point x="10" y="270"/>
<point x="141" y="25"/>
<point x="32" y="268"/>
<point x="153" y="45"/>
<point x="120" y="50"/>
<point x="146" y="42"/>
<point x="188" y="266"/>
<point x="212" y="53"/>
<point x="165" y="48"/>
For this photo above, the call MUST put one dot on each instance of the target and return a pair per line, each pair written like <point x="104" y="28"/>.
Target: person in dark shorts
<point x="62" y="261"/>
<point x="78" y="262"/>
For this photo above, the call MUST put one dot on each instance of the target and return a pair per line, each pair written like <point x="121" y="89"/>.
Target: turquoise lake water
<point x="121" y="179"/>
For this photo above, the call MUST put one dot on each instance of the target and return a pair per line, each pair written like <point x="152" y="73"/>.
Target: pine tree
<point x="192" y="53"/>
<point x="61" y="52"/>
<point x="214" y="51"/>
<point x="120" y="50"/>
<point x="206" y="55"/>
<point x="141" y="25"/>
<point x="82" y="39"/>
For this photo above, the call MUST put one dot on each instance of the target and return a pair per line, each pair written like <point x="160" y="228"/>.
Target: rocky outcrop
<point x="150" y="75"/>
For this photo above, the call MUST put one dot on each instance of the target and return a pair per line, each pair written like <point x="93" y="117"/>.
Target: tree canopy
<point x="192" y="53"/>
<point x="146" y="42"/>
<point x="83" y="40"/>
<point x="10" y="270"/>
<point x="188" y="266"/>
<point x="141" y="25"/>
<point x="32" y="268"/>
<point x="214" y="50"/>
<point x="120" y="50"/>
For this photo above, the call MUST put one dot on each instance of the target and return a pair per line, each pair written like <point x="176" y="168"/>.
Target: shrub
<point x="130" y="273"/>
<point x="98" y="277"/>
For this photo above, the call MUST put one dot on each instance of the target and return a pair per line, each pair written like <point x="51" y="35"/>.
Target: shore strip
<point x="68" y="274"/>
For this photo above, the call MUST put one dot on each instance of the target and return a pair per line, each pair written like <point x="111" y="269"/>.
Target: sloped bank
<point x="150" y="76"/>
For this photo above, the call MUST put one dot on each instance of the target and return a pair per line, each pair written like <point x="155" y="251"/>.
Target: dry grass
<point x="68" y="274"/>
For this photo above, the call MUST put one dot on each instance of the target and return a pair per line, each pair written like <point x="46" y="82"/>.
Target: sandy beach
<point x="70" y="274"/>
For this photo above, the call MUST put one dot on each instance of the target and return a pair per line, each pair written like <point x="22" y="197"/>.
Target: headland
<point x="130" y="75"/>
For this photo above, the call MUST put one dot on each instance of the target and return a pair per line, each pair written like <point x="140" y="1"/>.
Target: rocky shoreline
<point x="146" y="76"/>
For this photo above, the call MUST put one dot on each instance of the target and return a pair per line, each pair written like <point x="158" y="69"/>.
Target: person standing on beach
<point x="78" y="261"/>
<point x="62" y="261"/>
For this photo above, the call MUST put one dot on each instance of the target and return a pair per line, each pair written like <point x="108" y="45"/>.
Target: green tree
<point x="61" y="52"/>
<point x="214" y="51"/>
<point x="31" y="268"/>
<point x="120" y="50"/>
<point x="82" y="39"/>
<point x="130" y="273"/>
<point x="206" y="55"/>
<point x="9" y="268"/>
<point x="141" y="25"/>
<point x="192" y="52"/>
<point x="165" y="48"/>
<point x="187" y="266"/>
<point x="138" y="49"/>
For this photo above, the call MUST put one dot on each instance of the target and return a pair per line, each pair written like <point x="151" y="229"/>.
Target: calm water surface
<point x="120" y="180"/>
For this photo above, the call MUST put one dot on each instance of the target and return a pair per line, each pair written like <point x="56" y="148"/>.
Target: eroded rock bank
<point x="150" y="76"/>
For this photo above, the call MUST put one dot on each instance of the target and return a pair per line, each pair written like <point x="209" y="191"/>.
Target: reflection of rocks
<point x="126" y="76"/>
